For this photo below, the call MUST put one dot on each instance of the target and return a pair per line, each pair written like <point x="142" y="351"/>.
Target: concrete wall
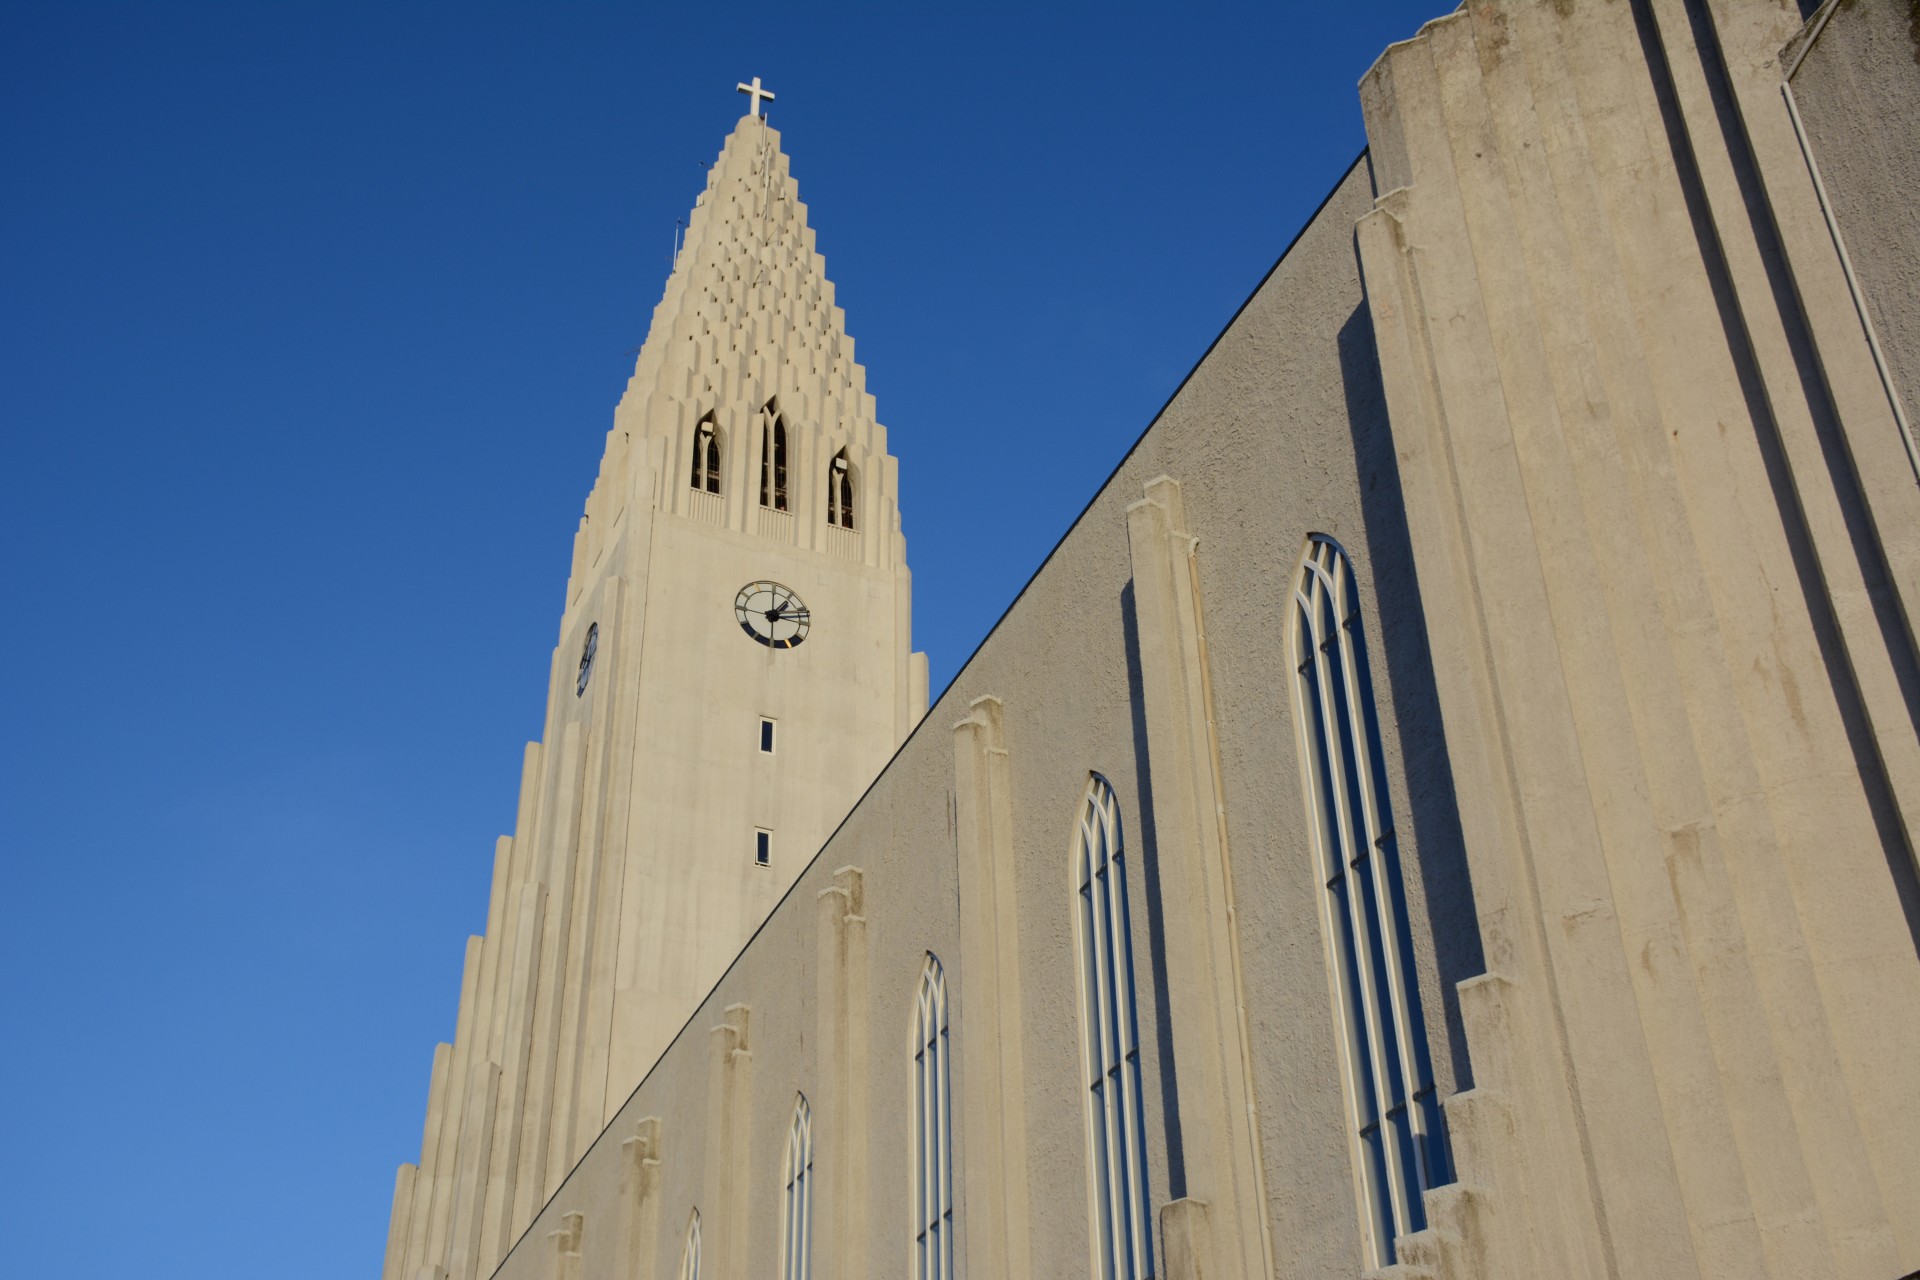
<point x="1857" y="85"/>
<point x="1278" y="434"/>
<point x="1664" y="533"/>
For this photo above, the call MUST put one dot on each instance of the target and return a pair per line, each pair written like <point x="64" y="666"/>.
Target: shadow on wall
<point x="1429" y="806"/>
<point x="1840" y="473"/>
<point x="1156" y="906"/>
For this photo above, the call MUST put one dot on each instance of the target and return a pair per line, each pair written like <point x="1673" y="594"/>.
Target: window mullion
<point x="1391" y="944"/>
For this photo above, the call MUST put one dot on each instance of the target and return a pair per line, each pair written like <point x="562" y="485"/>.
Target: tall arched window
<point x="840" y="491"/>
<point x="796" y="1230"/>
<point x="773" y="458"/>
<point x="706" y="456"/>
<point x="690" y="1252"/>
<point x="1119" y="1230"/>
<point x="932" y="1137"/>
<point x="1395" y="1128"/>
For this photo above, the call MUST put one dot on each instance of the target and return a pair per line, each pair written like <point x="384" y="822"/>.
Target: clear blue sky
<point x="313" y="320"/>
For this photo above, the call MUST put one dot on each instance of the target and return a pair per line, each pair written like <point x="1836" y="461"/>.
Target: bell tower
<point x="733" y="667"/>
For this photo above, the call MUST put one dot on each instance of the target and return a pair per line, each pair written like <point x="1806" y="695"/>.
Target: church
<point x="1448" y="808"/>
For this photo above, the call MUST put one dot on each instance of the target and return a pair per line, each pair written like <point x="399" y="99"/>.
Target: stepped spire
<point x="747" y="333"/>
<point x="657" y="823"/>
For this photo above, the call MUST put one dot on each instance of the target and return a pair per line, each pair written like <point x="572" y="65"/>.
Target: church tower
<point x="733" y="667"/>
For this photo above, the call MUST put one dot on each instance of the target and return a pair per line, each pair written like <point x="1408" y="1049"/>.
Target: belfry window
<point x="773" y="459"/>
<point x="706" y="456"/>
<point x="931" y="1149"/>
<point x="840" y="491"/>
<point x="1396" y="1133"/>
<point x="690" y="1251"/>
<point x="1120" y="1232"/>
<point x="796" y="1227"/>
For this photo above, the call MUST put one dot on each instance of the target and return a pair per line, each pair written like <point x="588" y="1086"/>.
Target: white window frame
<point x="769" y="740"/>
<point x="930" y="1085"/>
<point x="1119" y="1231"/>
<point x="690" y="1251"/>
<point x="796" y="1227"/>
<point x="1396" y="1134"/>
<point x="760" y="833"/>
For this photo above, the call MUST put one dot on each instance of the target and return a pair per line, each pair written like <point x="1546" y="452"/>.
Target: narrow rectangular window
<point x="763" y="848"/>
<point x="766" y="735"/>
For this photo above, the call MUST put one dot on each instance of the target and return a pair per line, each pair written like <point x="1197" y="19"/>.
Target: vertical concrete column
<point x="640" y="1201"/>
<point x="1750" y="37"/>
<point x="601" y="1090"/>
<point x="729" y="1174"/>
<point x="497" y="950"/>
<point x="476" y="1146"/>
<point x="1520" y="1052"/>
<point x="1705" y="820"/>
<point x="590" y="915"/>
<point x="1748" y="236"/>
<point x="1534" y="726"/>
<point x="989" y="1023"/>
<point x="418" y="1236"/>
<point x="470" y="1181"/>
<point x="1218" y="1114"/>
<point x="452" y="1140"/>
<point x="1696" y="1001"/>
<point x="1827" y="861"/>
<point x="497" y="1228"/>
<point x="909" y="674"/>
<point x="567" y="1241"/>
<point x="561" y="851"/>
<point x="392" y="1268"/>
<point x="510" y="1024"/>
<point x="1679" y="886"/>
<point x="520" y="872"/>
<point x="844" y="1019"/>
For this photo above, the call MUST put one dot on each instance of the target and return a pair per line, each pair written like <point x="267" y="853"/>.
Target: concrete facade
<point x="1590" y="373"/>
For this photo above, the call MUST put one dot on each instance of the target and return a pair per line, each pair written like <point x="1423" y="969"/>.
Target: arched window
<point x="1395" y="1128"/>
<point x="796" y="1230"/>
<point x="840" y="491"/>
<point x="706" y="456"/>
<point x="690" y="1251"/>
<point x="1119" y="1230"/>
<point x="773" y="458"/>
<point x="932" y="1137"/>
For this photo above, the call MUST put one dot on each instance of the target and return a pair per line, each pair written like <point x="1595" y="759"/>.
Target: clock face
<point x="772" y="614"/>
<point x="587" y="651"/>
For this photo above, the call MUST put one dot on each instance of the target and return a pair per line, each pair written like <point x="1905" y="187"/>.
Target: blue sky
<point x="313" y="321"/>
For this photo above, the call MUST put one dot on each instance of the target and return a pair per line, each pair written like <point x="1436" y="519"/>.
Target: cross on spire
<point x="755" y="93"/>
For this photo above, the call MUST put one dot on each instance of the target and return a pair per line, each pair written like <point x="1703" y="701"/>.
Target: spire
<point x="748" y="321"/>
<point x="748" y="282"/>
